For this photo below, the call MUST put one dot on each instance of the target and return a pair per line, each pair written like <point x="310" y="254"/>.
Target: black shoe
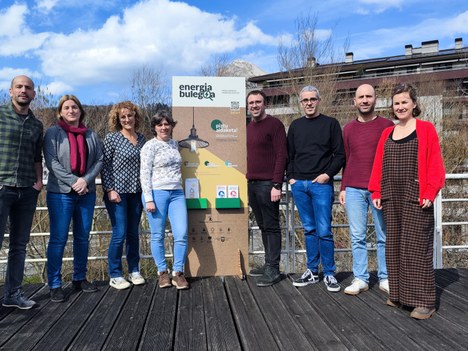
<point x="18" y="301"/>
<point x="257" y="272"/>
<point x="85" y="286"/>
<point x="308" y="277"/>
<point x="270" y="276"/>
<point x="57" y="295"/>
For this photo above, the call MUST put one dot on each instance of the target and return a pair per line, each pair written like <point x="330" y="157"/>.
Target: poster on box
<point x="211" y="130"/>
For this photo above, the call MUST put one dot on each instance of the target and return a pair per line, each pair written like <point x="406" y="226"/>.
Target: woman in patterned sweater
<point x="161" y="181"/>
<point x="122" y="191"/>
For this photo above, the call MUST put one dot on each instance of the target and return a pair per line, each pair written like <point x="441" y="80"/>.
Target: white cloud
<point x="58" y="88"/>
<point x="7" y="74"/>
<point x="375" y="43"/>
<point x="366" y="7"/>
<point x="46" y="5"/>
<point x="158" y="33"/>
<point x="15" y="35"/>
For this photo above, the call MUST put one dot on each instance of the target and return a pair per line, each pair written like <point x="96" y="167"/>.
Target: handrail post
<point x="438" y="259"/>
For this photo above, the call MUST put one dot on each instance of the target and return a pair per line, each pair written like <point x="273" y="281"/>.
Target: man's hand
<point x="275" y="195"/>
<point x="321" y="179"/>
<point x="342" y="197"/>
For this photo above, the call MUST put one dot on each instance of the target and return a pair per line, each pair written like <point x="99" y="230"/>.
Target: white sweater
<point x="160" y="167"/>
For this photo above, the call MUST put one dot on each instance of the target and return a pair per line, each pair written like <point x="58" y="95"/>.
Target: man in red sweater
<point x="360" y="137"/>
<point x="266" y="163"/>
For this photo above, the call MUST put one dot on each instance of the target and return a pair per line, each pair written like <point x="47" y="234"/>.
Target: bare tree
<point x="300" y="60"/>
<point x="150" y="92"/>
<point x="216" y="67"/>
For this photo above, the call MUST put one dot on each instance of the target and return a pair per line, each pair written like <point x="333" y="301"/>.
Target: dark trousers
<point x="266" y="214"/>
<point x="19" y="204"/>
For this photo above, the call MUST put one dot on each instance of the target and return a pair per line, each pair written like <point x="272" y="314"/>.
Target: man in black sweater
<point x="316" y="154"/>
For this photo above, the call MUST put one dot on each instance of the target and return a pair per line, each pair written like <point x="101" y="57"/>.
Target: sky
<point x="92" y="48"/>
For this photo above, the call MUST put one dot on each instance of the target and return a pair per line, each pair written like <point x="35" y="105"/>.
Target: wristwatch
<point x="277" y="186"/>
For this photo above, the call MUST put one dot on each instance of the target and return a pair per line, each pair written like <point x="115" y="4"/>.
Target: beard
<point x="23" y="102"/>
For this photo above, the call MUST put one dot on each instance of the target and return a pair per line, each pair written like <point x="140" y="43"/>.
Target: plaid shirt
<point x="20" y="147"/>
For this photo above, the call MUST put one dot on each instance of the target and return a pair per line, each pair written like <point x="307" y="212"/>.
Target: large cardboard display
<point x="218" y="220"/>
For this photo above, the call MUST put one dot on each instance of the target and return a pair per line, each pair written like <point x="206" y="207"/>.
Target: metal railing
<point x="291" y="227"/>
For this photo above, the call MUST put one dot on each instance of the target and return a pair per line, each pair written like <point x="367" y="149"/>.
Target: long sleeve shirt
<point x="360" y="141"/>
<point x="121" y="170"/>
<point x="20" y="147"/>
<point x="266" y="150"/>
<point x="160" y="167"/>
<point x="315" y="146"/>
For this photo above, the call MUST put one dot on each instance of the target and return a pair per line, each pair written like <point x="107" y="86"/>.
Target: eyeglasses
<point x="311" y="100"/>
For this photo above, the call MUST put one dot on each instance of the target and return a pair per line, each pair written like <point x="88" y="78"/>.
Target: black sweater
<point x="315" y="146"/>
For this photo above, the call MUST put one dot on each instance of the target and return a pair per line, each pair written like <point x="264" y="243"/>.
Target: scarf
<point x="77" y="146"/>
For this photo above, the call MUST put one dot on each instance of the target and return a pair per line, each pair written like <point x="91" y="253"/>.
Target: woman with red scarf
<point x="73" y="156"/>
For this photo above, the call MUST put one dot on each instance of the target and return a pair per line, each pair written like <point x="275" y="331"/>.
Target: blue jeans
<point x="314" y="202"/>
<point x="19" y="204"/>
<point x="266" y="214"/>
<point x="62" y="209"/>
<point x="125" y="219"/>
<point x="169" y="203"/>
<point x="358" y="202"/>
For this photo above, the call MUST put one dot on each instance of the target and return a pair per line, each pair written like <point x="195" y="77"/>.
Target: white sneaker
<point x="356" y="287"/>
<point x="119" y="283"/>
<point x="136" y="278"/>
<point x="383" y="285"/>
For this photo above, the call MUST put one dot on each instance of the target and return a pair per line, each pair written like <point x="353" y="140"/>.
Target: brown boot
<point x="179" y="281"/>
<point x="393" y="303"/>
<point x="422" y="312"/>
<point x="164" y="280"/>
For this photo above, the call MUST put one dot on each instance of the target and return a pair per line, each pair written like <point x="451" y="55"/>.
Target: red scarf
<point x="77" y="147"/>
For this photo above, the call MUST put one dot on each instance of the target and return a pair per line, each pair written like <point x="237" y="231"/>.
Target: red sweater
<point x="360" y="141"/>
<point x="266" y="150"/>
<point x="431" y="172"/>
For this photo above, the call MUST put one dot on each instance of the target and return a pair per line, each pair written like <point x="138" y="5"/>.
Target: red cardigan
<point x="431" y="172"/>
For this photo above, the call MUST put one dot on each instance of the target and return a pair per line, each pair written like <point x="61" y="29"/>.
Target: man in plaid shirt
<point x="20" y="182"/>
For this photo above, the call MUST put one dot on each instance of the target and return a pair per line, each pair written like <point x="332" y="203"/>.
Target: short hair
<point x="256" y="92"/>
<point x="113" y="120"/>
<point x="411" y="90"/>
<point x="22" y="76"/>
<point x="159" y="117"/>
<point x="65" y="98"/>
<point x="309" y="88"/>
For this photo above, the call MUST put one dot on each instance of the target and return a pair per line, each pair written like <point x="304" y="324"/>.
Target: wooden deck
<point x="231" y="314"/>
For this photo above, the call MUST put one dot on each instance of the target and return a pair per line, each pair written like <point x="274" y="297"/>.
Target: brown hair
<point x="411" y="90"/>
<point x="159" y="117"/>
<point x="65" y="98"/>
<point x="113" y="120"/>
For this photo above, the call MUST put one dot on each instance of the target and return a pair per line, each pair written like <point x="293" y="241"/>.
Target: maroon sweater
<point x="360" y="141"/>
<point x="266" y="150"/>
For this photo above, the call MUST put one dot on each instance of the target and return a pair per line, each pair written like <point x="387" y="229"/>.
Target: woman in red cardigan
<point x="407" y="174"/>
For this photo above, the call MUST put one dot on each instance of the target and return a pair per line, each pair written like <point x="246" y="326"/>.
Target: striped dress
<point x="410" y="229"/>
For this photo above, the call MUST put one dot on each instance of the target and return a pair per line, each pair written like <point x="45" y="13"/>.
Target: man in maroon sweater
<point x="360" y="137"/>
<point x="266" y="163"/>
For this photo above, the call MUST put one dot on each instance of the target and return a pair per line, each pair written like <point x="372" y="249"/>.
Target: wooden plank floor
<point x="232" y="314"/>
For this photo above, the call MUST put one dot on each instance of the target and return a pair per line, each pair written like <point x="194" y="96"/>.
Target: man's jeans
<point x="267" y="216"/>
<point x="19" y="204"/>
<point x="125" y="219"/>
<point x="358" y="202"/>
<point x="169" y="203"/>
<point x="314" y="202"/>
<point x="62" y="209"/>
